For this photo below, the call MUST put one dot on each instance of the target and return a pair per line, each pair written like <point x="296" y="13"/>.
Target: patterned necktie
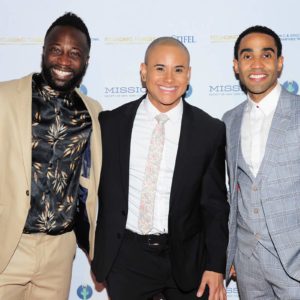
<point x="145" y="221"/>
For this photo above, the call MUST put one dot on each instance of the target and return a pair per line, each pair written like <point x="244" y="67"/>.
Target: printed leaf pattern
<point x="61" y="127"/>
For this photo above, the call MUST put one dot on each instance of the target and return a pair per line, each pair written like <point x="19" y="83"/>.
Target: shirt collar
<point x="173" y="114"/>
<point x="268" y="104"/>
<point x="47" y="92"/>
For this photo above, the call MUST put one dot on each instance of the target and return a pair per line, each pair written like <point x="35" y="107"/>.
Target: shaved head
<point x="165" y="40"/>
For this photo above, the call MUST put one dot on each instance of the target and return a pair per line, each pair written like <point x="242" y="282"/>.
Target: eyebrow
<point x="251" y="50"/>
<point x="162" y="65"/>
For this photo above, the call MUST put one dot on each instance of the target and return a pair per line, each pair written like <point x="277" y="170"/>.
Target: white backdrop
<point x="121" y="31"/>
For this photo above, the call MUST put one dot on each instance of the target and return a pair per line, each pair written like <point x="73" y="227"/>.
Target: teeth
<point x="258" y="76"/>
<point x="62" y="73"/>
<point x="169" y="89"/>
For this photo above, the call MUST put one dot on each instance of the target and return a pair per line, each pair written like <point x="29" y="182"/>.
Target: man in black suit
<point x="163" y="213"/>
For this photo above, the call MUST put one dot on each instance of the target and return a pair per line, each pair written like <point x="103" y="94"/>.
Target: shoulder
<point x="16" y="83"/>
<point x="230" y="114"/>
<point x="201" y="117"/>
<point x="94" y="104"/>
<point x="116" y="114"/>
<point x="287" y="95"/>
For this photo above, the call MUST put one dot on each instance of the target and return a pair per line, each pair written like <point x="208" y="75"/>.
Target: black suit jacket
<point x="198" y="212"/>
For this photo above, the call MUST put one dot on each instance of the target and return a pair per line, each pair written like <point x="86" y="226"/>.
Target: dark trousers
<point x="142" y="270"/>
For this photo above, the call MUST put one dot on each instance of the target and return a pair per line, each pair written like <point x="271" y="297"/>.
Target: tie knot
<point x="161" y="118"/>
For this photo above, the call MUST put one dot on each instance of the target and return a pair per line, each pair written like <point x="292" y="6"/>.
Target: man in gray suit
<point x="263" y="156"/>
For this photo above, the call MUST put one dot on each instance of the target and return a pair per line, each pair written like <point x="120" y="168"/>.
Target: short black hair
<point x="258" y="29"/>
<point x="72" y="20"/>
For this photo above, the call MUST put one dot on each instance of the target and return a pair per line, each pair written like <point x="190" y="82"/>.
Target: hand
<point x="215" y="282"/>
<point x="232" y="273"/>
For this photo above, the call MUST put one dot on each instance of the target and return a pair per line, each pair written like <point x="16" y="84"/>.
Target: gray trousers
<point x="262" y="276"/>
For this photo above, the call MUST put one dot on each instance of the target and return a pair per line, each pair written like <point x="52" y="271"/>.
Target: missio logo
<point x="225" y="90"/>
<point x="124" y="90"/>
<point x="83" y="89"/>
<point x="84" y="292"/>
<point x="291" y="86"/>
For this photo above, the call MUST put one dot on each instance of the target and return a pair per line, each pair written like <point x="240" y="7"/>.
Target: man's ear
<point x="87" y="62"/>
<point x="280" y="64"/>
<point x="143" y="72"/>
<point x="236" y="66"/>
<point x="189" y="74"/>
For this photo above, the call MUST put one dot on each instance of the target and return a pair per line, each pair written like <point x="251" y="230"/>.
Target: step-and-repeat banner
<point x="121" y="31"/>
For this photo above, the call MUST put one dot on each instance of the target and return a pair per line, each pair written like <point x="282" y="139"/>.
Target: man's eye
<point x="75" y="54"/>
<point x="54" y="50"/>
<point x="178" y="70"/>
<point x="247" y="56"/>
<point x="267" y="55"/>
<point x="159" y="68"/>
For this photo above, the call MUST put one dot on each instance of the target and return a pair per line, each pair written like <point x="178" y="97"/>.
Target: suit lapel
<point x="279" y="125"/>
<point x="233" y="144"/>
<point x="23" y="105"/>
<point x="125" y="131"/>
<point x="95" y="142"/>
<point x="184" y="145"/>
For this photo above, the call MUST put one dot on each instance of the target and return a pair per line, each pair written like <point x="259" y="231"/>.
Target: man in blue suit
<point x="263" y="139"/>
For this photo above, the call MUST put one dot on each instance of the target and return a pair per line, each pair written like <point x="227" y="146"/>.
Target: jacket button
<point x="27" y="193"/>
<point x="123" y="213"/>
<point x="119" y="235"/>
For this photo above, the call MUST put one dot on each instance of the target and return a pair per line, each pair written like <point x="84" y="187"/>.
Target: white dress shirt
<point x="143" y="126"/>
<point x="256" y="125"/>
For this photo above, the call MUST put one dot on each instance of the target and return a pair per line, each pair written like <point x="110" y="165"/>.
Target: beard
<point x="67" y="86"/>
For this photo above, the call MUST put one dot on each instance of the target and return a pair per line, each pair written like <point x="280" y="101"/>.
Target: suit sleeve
<point x="215" y="208"/>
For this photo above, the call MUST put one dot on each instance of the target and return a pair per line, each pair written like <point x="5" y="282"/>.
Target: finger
<point x="201" y="290"/>
<point x="223" y="295"/>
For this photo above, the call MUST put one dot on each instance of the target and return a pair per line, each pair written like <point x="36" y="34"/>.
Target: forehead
<point x="66" y="34"/>
<point x="168" y="51"/>
<point x="257" y="40"/>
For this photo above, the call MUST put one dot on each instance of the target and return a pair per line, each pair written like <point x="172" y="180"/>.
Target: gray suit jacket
<point x="280" y="185"/>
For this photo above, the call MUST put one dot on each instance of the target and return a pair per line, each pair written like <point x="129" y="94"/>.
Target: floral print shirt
<point x="61" y="128"/>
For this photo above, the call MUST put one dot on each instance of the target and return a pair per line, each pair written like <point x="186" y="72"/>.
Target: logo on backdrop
<point x="225" y="38"/>
<point x="124" y="91"/>
<point x="84" y="292"/>
<point x="291" y="86"/>
<point x="129" y="40"/>
<point x="225" y="90"/>
<point x="185" y="39"/>
<point x="290" y="37"/>
<point x="131" y="92"/>
<point x="24" y="40"/>
<point x="83" y="89"/>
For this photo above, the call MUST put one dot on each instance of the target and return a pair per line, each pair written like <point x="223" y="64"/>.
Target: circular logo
<point x="189" y="91"/>
<point x="84" y="292"/>
<point x="83" y="89"/>
<point x="291" y="86"/>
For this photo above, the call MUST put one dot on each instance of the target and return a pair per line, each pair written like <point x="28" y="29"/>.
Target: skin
<point x="166" y="75"/>
<point x="65" y="58"/>
<point x="258" y="66"/>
